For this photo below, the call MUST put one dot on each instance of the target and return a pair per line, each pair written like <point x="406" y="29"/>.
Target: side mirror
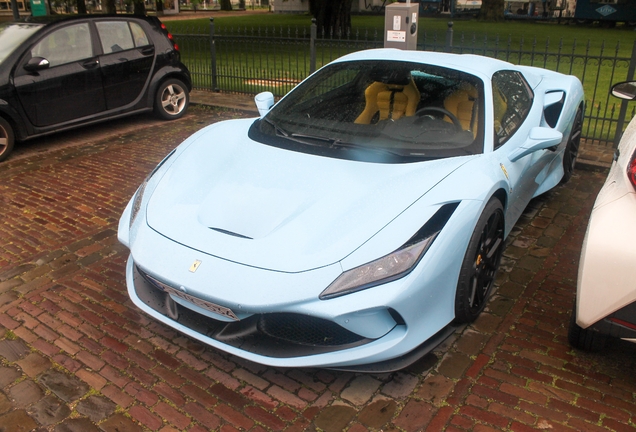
<point x="625" y="90"/>
<point x="264" y="101"/>
<point x="36" y="64"/>
<point x="540" y="138"/>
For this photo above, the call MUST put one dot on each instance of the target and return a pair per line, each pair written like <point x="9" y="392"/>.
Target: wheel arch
<point x="501" y="195"/>
<point x="13" y="118"/>
<point x="163" y="75"/>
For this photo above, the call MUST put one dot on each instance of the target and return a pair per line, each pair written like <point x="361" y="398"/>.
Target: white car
<point x="606" y="293"/>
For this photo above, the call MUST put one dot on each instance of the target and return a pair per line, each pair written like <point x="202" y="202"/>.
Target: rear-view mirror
<point x="36" y="64"/>
<point x="540" y="138"/>
<point x="264" y="101"/>
<point x="625" y="90"/>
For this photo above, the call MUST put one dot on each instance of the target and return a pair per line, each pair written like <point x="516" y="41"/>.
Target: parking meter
<point x="400" y="25"/>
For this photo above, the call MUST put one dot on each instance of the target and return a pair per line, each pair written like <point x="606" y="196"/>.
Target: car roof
<point x="470" y="63"/>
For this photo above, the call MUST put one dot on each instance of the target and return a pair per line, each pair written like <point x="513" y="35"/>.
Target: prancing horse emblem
<point x="195" y="265"/>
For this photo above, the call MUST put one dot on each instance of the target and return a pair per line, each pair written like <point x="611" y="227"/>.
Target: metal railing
<point x="276" y="59"/>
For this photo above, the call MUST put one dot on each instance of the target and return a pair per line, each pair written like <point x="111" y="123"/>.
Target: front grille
<point x="306" y="330"/>
<point x="279" y="335"/>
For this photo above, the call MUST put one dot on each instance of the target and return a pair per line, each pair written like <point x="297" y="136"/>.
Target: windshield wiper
<point x="290" y="136"/>
<point x="344" y="144"/>
<point x="335" y="142"/>
<point x="279" y="130"/>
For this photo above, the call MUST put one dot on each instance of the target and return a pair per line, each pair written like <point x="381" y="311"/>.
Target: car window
<point x="378" y="110"/>
<point x="115" y="36"/>
<point x="139" y="36"/>
<point x="12" y="35"/>
<point x="338" y="79"/>
<point x="66" y="45"/>
<point x="512" y="100"/>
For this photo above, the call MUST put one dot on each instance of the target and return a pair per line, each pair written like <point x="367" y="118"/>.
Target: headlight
<point x="139" y="195"/>
<point x="394" y="265"/>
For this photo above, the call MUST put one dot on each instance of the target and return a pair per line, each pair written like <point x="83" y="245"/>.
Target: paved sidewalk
<point x="76" y="355"/>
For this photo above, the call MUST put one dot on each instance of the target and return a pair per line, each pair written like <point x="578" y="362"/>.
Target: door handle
<point x="90" y="64"/>
<point x="148" y="51"/>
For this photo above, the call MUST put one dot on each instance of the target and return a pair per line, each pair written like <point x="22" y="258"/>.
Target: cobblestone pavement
<point x="76" y="355"/>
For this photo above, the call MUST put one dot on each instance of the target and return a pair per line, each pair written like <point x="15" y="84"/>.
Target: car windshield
<point x="12" y="35"/>
<point x="379" y="111"/>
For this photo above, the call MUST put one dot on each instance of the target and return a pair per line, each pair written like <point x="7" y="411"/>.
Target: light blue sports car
<point x="359" y="220"/>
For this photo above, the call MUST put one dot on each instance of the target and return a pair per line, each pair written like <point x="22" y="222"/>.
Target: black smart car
<point x="75" y="71"/>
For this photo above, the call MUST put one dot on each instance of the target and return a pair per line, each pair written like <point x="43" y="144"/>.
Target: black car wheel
<point x="6" y="139"/>
<point x="480" y="264"/>
<point x="572" y="148"/>
<point x="172" y="99"/>
<point x="584" y="339"/>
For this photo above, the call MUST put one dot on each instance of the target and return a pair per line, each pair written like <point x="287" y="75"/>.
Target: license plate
<point x="209" y="306"/>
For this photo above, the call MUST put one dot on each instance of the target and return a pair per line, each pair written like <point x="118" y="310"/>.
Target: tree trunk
<point x="139" y="8"/>
<point x="492" y="10"/>
<point x="333" y="17"/>
<point x="109" y="6"/>
<point x="226" y="5"/>
<point x="81" y="7"/>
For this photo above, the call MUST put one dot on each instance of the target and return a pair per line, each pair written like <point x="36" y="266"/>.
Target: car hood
<point x="231" y="197"/>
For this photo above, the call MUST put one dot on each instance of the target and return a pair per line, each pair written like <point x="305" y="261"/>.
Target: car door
<point x="70" y="87"/>
<point x="126" y="62"/>
<point x="512" y="103"/>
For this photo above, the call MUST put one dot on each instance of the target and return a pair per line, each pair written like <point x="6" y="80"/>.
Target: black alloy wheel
<point x="479" y="268"/>
<point x="572" y="148"/>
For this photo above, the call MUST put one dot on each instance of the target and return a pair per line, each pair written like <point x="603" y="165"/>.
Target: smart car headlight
<point x="139" y="195"/>
<point x="394" y="265"/>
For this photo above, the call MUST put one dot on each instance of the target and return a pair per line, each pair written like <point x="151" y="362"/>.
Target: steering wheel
<point x="444" y="111"/>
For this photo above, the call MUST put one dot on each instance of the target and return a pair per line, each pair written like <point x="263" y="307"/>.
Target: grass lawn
<point x="256" y="64"/>
<point x="544" y="32"/>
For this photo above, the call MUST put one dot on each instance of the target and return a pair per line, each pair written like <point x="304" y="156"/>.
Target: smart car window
<point x="139" y="36"/>
<point x="66" y="45"/>
<point x="384" y="111"/>
<point x="115" y="36"/>
<point x="512" y="100"/>
<point x="12" y="35"/>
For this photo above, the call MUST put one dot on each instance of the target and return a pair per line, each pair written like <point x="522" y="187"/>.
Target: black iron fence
<point x="251" y="60"/>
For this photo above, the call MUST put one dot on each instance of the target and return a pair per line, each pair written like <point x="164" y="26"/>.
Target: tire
<point x="584" y="339"/>
<point x="480" y="264"/>
<point x="572" y="148"/>
<point x="7" y="139"/>
<point x="172" y="99"/>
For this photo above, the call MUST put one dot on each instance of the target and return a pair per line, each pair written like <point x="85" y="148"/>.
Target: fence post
<point x="449" y="37"/>
<point x="312" y="46"/>
<point x="213" y="56"/>
<point x="623" y="111"/>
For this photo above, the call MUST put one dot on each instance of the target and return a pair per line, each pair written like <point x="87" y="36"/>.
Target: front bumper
<point x="378" y="329"/>
<point x="282" y="339"/>
<point x="382" y="328"/>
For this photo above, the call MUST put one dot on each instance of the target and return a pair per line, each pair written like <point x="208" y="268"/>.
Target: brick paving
<point x="76" y="355"/>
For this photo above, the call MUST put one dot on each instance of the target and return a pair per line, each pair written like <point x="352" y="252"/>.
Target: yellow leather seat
<point x="463" y="104"/>
<point x="391" y="100"/>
